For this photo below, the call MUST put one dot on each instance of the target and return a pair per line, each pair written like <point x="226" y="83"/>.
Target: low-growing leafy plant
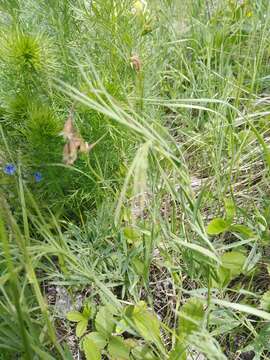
<point x="162" y="227"/>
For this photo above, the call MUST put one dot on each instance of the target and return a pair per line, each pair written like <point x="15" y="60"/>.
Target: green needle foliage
<point x="154" y="244"/>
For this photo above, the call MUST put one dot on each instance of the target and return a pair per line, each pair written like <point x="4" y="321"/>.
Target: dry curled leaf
<point x="71" y="149"/>
<point x="136" y="63"/>
<point x="69" y="132"/>
<point x="75" y="142"/>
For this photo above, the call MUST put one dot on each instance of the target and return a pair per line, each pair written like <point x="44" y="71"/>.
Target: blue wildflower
<point x="9" y="169"/>
<point x="38" y="176"/>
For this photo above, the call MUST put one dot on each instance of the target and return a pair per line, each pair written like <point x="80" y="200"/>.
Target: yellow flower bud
<point x="139" y="7"/>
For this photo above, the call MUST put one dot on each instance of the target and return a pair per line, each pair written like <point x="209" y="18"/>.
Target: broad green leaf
<point x="104" y="321"/>
<point x="118" y="349"/>
<point x="91" y="350"/>
<point x="265" y="301"/>
<point x="232" y="266"/>
<point x="81" y="327"/>
<point x="230" y="209"/>
<point x="242" y="229"/>
<point x="75" y="316"/>
<point x="138" y="266"/>
<point x="190" y="317"/>
<point x="217" y="226"/>
<point x="98" y="339"/>
<point x="122" y="326"/>
<point x="233" y="261"/>
<point x="224" y="277"/>
<point x="131" y="234"/>
<point x="146" y="323"/>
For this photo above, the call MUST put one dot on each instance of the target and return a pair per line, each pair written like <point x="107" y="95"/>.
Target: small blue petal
<point x="9" y="169"/>
<point x="38" y="176"/>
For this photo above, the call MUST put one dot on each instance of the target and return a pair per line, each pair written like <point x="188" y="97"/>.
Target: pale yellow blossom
<point x="139" y="7"/>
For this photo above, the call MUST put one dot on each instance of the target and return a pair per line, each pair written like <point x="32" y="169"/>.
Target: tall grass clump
<point x="134" y="171"/>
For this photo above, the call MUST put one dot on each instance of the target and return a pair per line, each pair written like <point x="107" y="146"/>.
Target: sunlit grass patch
<point x="154" y="242"/>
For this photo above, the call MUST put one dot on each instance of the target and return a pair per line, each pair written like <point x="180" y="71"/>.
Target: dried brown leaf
<point x="136" y="63"/>
<point x="75" y="143"/>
